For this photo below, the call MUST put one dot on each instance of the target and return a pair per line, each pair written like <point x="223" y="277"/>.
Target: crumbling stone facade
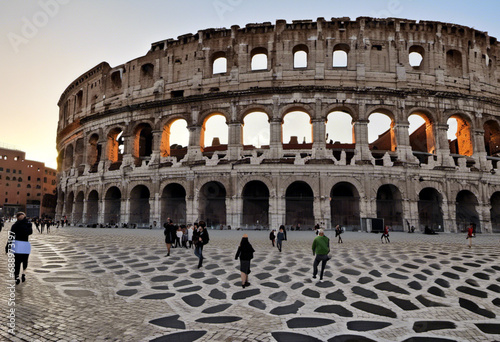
<point x="117" y="164"/>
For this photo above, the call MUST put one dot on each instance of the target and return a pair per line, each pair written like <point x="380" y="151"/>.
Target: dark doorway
<point x="255" y="205"/>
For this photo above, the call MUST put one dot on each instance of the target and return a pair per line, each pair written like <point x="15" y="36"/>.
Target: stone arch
<point x="255" y="196"/>
<point x="413" y="52"/>
<point x="492" y="137"/>
<point x="463" y="144"/>
<point x="466" y="210"/>
<point x="336" y="129"/>
<point x="291" y="130"/>
<point x="166" y="144"/>
<point x="344" y="205"/>
<point x="78" y="213"/>
<point x="430" y="213"/>
<point x="212" y="203"/>
<point x="218" y="63"/>
<point x="257" y="61"/>
<point x="300" y="54"/>
<point x="203" y="133"/>
<point x="346" y="108"/>
<point x="254" y="108"/>
<point x="68" y="157"/>
<point x="173" y="203"/>
<point x="93" y="152"/>
<point x="92" y="207"/>
<point x="386" y="141"/>
<point x="259" y="124"/>
<point x="495" y="212"/>
<point x="79" y="152"/>
<point x="116" y="144"/>
<point x="297" y="107"/>
<point x="299" y="199"/>
<point x="390" y="206"/>
<point x="423" y="138"/>
<point x="340" y="55"/>
<point x="139" y="206"/>
<point x="112" y="205"/>
<point x="142" y="140"/>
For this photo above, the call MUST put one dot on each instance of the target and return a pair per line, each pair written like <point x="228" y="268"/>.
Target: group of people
<point x="195" y="235"/>
<point x="41" y="223"/>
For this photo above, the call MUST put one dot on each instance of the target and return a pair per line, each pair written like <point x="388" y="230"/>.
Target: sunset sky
<point x="46" y="44"/>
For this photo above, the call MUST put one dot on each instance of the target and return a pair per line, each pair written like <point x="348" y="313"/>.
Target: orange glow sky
<point x="46" y="44"/>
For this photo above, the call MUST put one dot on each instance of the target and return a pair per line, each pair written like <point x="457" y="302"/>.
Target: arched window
<point x="297" y="129"/>
<point x="300" y="53"/>
<point x="340" y="52"/>
<point x="174" y="139"/>
<point x="416" y="56"/>
<point x="380" y="132"/>
<point x="256" y="129"/>
<point x="454" y="63"/>
<point x="215" y="131"/>
<point x="459" y="135"/>
<point x="219" y="63"/>
<point x="147" y="72"/>
<point x="259" y="59"/>
<point x="421" y="134"/>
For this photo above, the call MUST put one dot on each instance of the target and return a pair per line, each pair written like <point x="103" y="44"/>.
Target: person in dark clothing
<point x="272" y="236"/>
<point x="169" y="232"/>
<point x="202" y="239"/>
<point x="281" y="236"/>
<point x="1" y="223"/>
<point x="245" y="253"/>
<point x="338" y="232"/>
<point x="18" y="244"/>
<point x="385" y="234"/>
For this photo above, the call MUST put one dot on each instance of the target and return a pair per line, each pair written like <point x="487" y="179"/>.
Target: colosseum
<point x="144" y="141"/>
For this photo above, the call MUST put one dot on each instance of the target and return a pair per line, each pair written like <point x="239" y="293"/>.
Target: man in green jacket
<point x="321" y="248"/>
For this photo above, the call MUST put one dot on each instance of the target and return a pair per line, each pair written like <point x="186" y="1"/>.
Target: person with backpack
<point x="202" y="239"/>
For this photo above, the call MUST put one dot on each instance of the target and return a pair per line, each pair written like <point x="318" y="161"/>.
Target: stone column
<point x="125" y="211"/>
<point x="194" y="148"/>
<point x="156" y="153"/>
<point x="410" y="213"/>
<point x="100" y="210"/>
<point x="275" y="144"/>
<point x="479" y="153"/>
<point x="442" y="146"/>
<point x="84" y="212"/>
<point x="319" y="139"/>
<point x="128" y="150"/>
<point x="234" y="210"/>
<point x="154" y="204"/>
<point x="483" y="210"/>
<point x="363" y="153"/>
<point x="235" y="140"/>
<point x="403" y="147"/>
<point x="449" y="216"/>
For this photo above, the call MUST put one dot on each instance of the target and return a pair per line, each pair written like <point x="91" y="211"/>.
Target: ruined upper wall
<point x="456" y="59"/>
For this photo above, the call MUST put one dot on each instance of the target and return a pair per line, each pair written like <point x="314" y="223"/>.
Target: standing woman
<point x="169" y="232"/>
<point x="245" y="253"/>
<point x="338" y="232"/>
<point x="470" y="234"/>
<point x="280" y="237"/>
<point x="20" y="232"/>
<point x="203" y="239"/>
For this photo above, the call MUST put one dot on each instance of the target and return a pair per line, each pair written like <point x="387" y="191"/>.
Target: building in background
<point x="26" y="185"/>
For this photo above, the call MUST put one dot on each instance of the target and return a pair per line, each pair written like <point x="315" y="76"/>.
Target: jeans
<point x="323" y="258"/>
<point x="198" y="251"/>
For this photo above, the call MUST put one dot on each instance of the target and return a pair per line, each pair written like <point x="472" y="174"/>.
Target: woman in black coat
<point x="18" y="244"/>
<point x="245" y="253"/>
<point x="170" y="234"/>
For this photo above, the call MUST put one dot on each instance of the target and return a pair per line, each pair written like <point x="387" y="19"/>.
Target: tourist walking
<point x="18" y="244"/>
<point x="245" y="253"/>
<point x="338" y="232"/>
<point x="280" y="237"/>
<point x="470" y="234"/>
<point x="320" y="248"/>
<point x="190" y="232"/>
<point x="169" y="232"/>
<point x="272" y="236"/>
<point x="178" y="237"/>
<point x="385" y="235"/>
<point x="202" y="240"/>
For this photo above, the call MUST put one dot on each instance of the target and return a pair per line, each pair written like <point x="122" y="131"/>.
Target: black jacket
<point x="245" y="252"/>
<point x="22" y="230"/>
<point x="170" y="232"/>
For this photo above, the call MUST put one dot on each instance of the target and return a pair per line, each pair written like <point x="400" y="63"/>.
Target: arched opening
<point x="215" y="133"/>
<point x="390" y="207"/>
<point x="92" y="208"/>
<point x="139" y="206"/>
<point x="381" y="135"/>
<point x="93" y="152"/>
<point x="344" y="205"/>
<point x="340" y="52"/>
<point x="340" y="134"/>
<point x="68" y="209"/>
<point x="297" y="130"/>
<point x="173" y="203"/>
<point x="79" y="153"/>
<point x="459" y="136"/>
<point x="300" y="53"/>
<point x="78" y="214"/>
<point x="255" y="205"/>
<point x="495" y="212"/>
<point x="422" y="140"/>
<point x="429" y="209"/>
<point x="259" y="59"/>
<point x="256" y="130"/>
<point x="143" y="142"/>
<point x="466" y="212"/>
<point x="454" y="63"/>
<point x="174" y="139"/>
<point x="147" y="73"/>
<point x="112" y="206"/>
<point x="116" y="147"/>
<point x="492" y="140"/>
<point x="79" y="100"/>
<point x="116" y="79"/>
<point x="212" y="204"/>
<point x="416" y="56"/>
<point x="68" y="158"/>
<point x="219" y="63"/>
<point x="299" y="200"/>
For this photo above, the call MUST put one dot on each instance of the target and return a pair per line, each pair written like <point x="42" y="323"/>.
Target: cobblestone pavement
<point x="87" y="284"/>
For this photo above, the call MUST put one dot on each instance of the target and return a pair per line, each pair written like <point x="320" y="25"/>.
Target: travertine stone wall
<point x="459" y="77"/>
